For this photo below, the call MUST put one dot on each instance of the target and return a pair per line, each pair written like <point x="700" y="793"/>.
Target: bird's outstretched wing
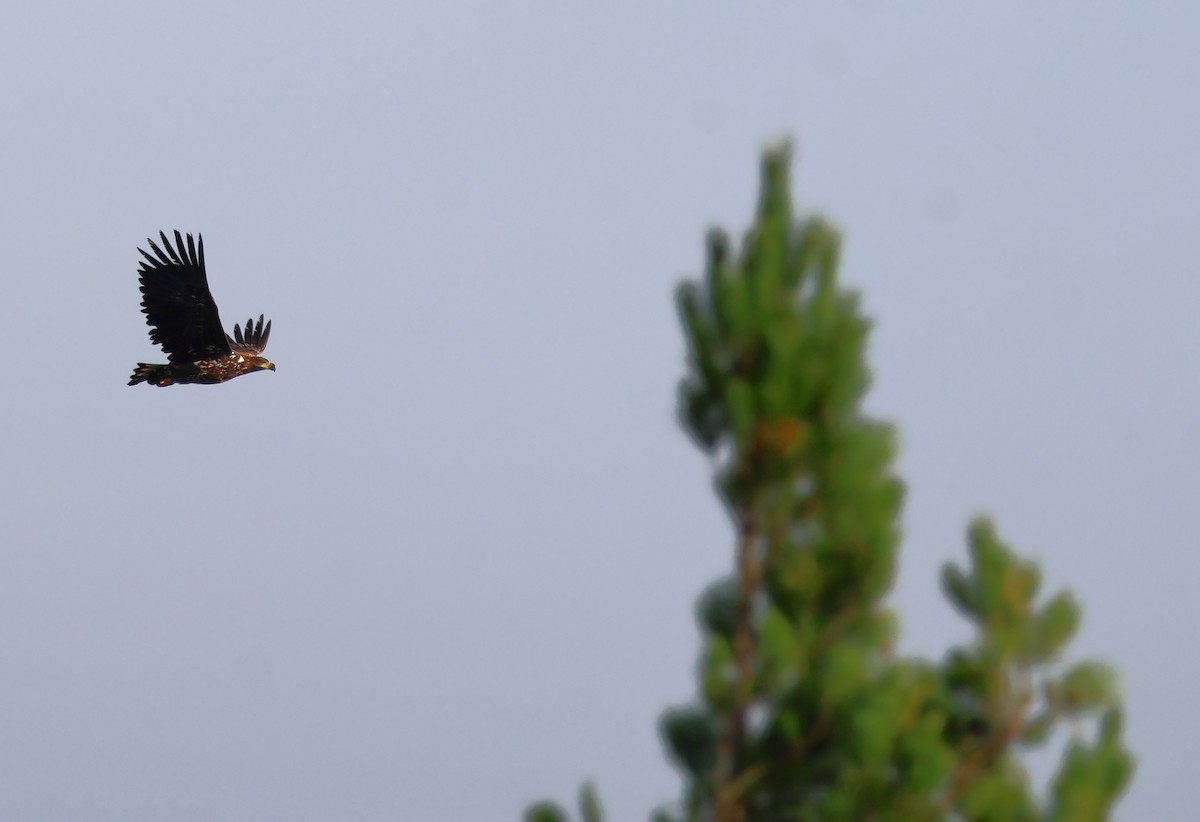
<point x="255" y="338"/>
<point x="179" y="308"/>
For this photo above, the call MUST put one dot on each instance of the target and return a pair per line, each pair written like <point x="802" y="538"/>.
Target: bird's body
<point x="200" y="372"/>
<point x="183" y="319"/>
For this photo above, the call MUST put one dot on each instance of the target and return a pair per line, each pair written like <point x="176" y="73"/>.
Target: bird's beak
<point x="271" y="366"/>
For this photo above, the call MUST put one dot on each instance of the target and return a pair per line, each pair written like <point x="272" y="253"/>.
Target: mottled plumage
<point x="183" y="319"/>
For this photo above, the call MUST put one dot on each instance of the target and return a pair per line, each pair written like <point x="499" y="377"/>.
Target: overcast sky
<point x="443" y="562"/>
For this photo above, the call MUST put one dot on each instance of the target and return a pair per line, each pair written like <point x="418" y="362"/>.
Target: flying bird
<point x="183" y="319"/>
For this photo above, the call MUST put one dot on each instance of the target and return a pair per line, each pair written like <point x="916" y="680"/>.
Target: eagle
<point x="183" y="319"/>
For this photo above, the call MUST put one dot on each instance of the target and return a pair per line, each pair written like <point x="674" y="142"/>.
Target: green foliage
<point x="691" y="739"/>
<point x="804" y="712"/>
<point x="717" y="611"/>
<point x="1092" y="776"/>
<point x="589" y="808"/>
<point x="993" y="687"/>
<point x="589" y="804"/>
<point x="546" y="812"/>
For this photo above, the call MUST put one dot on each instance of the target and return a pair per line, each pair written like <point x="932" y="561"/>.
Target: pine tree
<point x="805" y="711"/>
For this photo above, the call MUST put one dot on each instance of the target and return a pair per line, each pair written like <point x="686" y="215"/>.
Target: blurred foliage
<point x="589" y="809"/>
<point x="804" y="712"/>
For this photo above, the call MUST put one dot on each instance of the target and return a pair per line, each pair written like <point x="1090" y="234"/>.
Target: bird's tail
<point x="159" y="375"/>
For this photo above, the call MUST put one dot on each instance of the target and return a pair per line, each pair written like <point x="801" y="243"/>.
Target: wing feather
<point x="252" y="339"/>
<point x="175" y="258"/>
<point x="191" y="247"/>
<point x="178" y="305"/>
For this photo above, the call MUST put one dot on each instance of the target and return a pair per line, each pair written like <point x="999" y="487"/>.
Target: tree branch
<point x="726" y="804"/>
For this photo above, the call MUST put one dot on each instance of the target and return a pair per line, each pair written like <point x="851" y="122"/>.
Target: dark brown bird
<point x="183" y="319"/>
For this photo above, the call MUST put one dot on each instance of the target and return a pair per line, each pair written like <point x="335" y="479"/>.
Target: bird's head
<point x="258" y="363"/>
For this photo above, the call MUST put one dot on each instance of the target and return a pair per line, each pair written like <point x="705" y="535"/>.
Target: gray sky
<point x="443" y="562"/>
